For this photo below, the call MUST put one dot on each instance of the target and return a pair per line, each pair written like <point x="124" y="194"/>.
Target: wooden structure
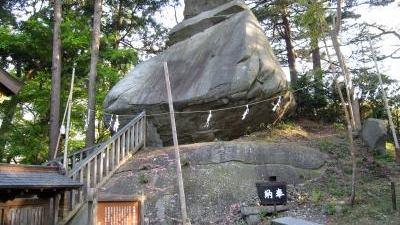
<point x="33" y="194"/>
<point x="94" y="166"/>
<point x="53" y="198"/>
<point x="9" y="85"/>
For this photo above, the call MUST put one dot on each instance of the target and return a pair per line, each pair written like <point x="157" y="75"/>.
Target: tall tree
<point x="25" y="51"/>
<point x="277" y="16"/>
<point x="286" y="34"/>
<point x="54" y="130"/>
<point x="90" y="133"/>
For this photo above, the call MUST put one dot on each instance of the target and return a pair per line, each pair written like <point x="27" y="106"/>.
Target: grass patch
<point x="185" y="163"/>
<point x="331" y="207"/>
<point x="330" y="194"/>
<point x="338" y="150"/>
<point x="315" y="195"/>
<point x="143" y="179"/>
<point x="390" y="151"/>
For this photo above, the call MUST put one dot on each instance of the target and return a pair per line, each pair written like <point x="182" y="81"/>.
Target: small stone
<point x="253" y="219"/>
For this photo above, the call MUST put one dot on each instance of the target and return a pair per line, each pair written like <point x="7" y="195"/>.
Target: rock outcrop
<point x="219" y="61"/>
<point x="219" y="178"/>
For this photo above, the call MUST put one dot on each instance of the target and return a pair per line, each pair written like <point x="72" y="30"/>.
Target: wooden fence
<point x="25" y="211"/>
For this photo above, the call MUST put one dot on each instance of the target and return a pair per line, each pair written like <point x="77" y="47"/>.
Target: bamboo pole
<point x="396" y="143"/>
<point x="349" y="129"/>
<point x="182" y="199"/>
<point x="69" y="106"/>
<point x="351" y="144"/>
<point x="343" y="67"/>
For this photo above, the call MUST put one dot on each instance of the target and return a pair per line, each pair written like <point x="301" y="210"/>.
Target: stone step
<point x="291" y="221"/>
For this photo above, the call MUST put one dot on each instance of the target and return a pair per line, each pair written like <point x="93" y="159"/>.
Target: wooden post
<point x="182" y="199"/>
<point x="92" y="206"/>
<point x="56" y="208"/>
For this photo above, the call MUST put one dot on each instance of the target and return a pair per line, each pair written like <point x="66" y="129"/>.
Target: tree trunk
<point x="319" y="96"/>
<point x="117" y="25"/>
<point x="317" y="69"/>
<point x="356" y="111"/>
<point x="90" y="133"/>
<point x="289" y="46"/>
<point x="55" y="82"/>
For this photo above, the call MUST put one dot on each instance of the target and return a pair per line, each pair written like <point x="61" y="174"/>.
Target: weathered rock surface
<point x="219" y="178"/>
<point x="251" y="214"/>
<point x="220" y="59"/>
<point x="374" y="134"/>
<point x="195" y="7"/>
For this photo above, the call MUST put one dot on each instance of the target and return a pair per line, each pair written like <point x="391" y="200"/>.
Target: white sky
<point x="389" y="17"/>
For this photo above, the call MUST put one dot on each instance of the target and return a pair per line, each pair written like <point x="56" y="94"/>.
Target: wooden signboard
<point x="118" y="213"/>
<point x="271" y="193"/>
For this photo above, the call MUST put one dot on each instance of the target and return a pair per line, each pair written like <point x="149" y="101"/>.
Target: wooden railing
<point x="99" y="165"/>
<point x="74" y="157"/>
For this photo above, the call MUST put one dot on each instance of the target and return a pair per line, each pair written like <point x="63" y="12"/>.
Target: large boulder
<point x="219" y="61"/>
<point x="195" y="7"/>
<point x="374" y="134"/>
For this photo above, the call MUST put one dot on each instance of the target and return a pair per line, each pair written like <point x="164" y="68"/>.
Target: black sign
<point x="271" y="193"/>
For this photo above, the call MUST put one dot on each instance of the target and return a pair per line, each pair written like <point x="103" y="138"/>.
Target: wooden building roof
<point x="28" y="180"/>
<point x="9" y="85"/>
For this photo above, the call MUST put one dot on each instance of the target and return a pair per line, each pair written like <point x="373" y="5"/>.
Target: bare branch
<point x="383" y="31"/>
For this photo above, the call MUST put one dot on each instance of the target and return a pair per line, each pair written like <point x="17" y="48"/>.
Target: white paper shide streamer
<point x="245" y="112"/>
<point x="278" y="104"/>
<point x="208" y="119"/>
<point x="116" y="124"/>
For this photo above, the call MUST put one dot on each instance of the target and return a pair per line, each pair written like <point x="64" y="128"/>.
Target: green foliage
<point x="142" y="179"/>
<point x="371" y="104"/>
<point x="331" y="207"/>
<point x="26" y="49"/>
<point x="315" y="195"/>
<point x="262" y="215"/>
<point x="312" y="21"/>
<point x="335" y="149"/>
<point x="315" y="103"/>
<point x="185" y="162"/>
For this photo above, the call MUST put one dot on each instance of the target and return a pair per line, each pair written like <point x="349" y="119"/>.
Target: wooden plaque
<point x="271" y="193"/>
<point x="118" y="213"/>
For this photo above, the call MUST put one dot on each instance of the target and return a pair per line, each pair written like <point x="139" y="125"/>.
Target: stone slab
<point x="291" y="221"/>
